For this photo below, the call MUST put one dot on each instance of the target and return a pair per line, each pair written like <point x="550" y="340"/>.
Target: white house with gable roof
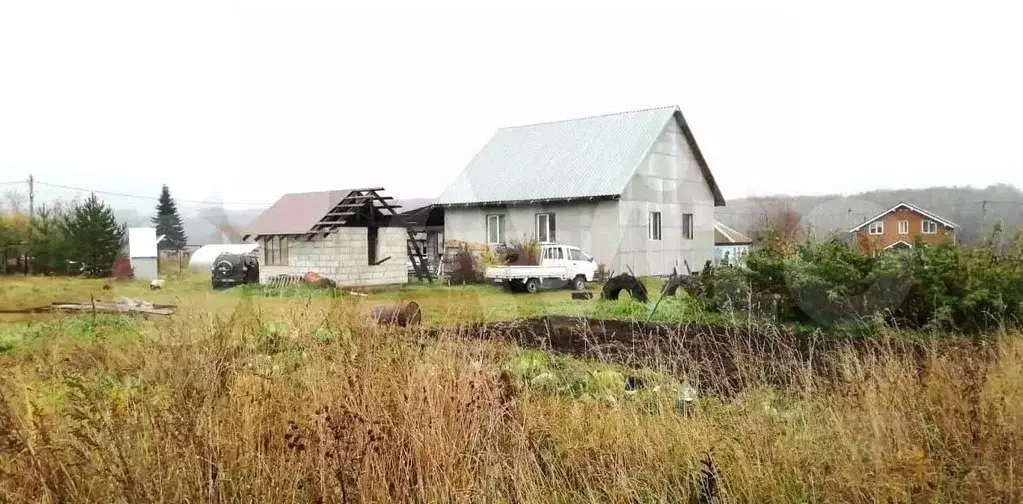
<point x="632" y="189"/>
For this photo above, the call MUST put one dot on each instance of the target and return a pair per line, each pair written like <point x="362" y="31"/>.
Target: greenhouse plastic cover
<point x="202" y="259"/>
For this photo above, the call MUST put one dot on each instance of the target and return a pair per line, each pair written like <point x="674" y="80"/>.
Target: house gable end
<point x="903" y="206"/>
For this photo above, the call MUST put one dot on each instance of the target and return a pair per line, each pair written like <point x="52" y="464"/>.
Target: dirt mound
<point x="723" y="359"/>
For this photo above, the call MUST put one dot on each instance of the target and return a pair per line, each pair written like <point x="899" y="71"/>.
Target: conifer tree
<point x="94" y="237"/>
<point x="168" y="223"/>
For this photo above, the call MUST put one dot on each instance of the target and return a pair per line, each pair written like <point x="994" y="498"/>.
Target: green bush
<point x="947" y="286"/>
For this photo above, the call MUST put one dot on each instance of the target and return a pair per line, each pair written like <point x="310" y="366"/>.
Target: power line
<point x="154" y="198"/>
<point x="14" y="182"/>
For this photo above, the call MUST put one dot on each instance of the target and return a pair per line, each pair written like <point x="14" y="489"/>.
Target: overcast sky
<point x="243" y="101"/>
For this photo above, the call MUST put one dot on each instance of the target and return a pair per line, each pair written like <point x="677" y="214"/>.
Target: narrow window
<point x="903" y="227"/>
<point x="876" y="228"/>
<point x="495" y="229"/>
<point x="372" y="235"/>
<point x="282" y="251"/>
<point x="687" y="226"/>
<point x="545" y="228"/>
<point x="654" y="226"/>
<point x="928" y="227"/>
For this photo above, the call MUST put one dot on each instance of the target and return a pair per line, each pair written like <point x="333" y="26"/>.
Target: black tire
<point x="579" y="283"/>
<point x="533" y="285"/>
<point x="625" y="282"/>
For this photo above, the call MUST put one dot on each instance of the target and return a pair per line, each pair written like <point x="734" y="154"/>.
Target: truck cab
<point x="560" y="265"/>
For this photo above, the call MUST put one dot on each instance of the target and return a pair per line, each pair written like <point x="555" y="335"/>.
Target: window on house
<point x="653" y="230"/>
<point x="495" y="229"/>
<point x="372" y="245"/>
<point x="876" y="228"/>
<point x="687" y="226"/>
<point x="928" y="227"/>
<point x="545" y="230"/>
<point x="903" y="227"/>
<point x="275" y="251"/>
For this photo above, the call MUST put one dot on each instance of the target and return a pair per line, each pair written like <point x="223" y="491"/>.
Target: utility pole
<point x="31" y="198"/>
<point x="31" y="217"/>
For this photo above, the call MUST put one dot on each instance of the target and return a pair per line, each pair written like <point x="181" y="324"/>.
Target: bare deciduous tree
<point x="13" y="201"/>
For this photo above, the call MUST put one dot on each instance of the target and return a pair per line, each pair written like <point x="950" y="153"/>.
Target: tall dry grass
<point x="293" y="402"/>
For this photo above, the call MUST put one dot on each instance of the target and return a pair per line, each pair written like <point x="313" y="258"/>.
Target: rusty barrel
<point x="402" y="313"/>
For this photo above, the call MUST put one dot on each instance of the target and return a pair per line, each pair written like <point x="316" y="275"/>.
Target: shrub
<point x="947" y="286"/>
<point x="524" y="252"/>
<point x="462" y="268"/>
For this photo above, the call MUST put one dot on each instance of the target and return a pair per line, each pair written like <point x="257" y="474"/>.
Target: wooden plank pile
<point x="121" y="305"/>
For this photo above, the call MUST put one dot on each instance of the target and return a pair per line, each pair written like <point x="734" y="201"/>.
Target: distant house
<point x="730" y="246"/>
<point x="632" y="189"/>
<point x="347" y="235"/>
<point x="899" y="227"/>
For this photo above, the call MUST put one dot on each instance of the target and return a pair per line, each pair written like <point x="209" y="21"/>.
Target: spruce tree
<point x="94" y="237"/>
<point x="168" y="223"/>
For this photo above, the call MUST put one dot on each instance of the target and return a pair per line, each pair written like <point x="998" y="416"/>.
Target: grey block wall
<point x="591" y="226"/>
<point x="343" y="256"/>
<point x="669" y="181"/>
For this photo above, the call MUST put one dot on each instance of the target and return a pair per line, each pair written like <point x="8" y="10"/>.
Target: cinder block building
<point x="348" y="236"/>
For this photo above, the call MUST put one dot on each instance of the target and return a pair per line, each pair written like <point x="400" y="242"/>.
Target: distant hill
<point x="971" y="208"/>
<point x="203" y="226"/>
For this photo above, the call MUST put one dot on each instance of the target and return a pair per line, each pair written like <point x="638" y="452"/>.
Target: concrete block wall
<point x="343" y="256"/>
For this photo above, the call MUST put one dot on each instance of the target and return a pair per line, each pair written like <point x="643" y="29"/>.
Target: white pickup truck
<point x="560" y="265"/>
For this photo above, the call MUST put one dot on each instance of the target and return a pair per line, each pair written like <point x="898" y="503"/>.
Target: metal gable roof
<point x="577" y="158"/>
<point x="295" y="213"/>
<point x="724" y="235"/>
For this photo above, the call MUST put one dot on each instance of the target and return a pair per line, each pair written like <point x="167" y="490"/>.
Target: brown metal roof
<point x="322" y="211"/>
<point x="295" y="213"/>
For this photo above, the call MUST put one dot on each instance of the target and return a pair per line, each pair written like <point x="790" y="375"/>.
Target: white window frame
<point x="923" y="226"/>
<point x="548" y="231"/>
<point x="687" y="226"/>
<point x="878" y="230"/>
<point x="498" y="219"/>
<point x="653" y="227"/>
<point x="903" y="227"/>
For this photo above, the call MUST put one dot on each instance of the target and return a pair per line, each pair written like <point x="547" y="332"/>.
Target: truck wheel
<point x="579" y="283"/>
<point x="532" y="285"/>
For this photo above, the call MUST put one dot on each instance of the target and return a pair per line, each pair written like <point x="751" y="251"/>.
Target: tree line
<point x="77" y="237"/>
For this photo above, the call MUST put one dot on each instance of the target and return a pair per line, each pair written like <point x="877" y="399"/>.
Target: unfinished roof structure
<point x="593" y="157"/>
<point x="312" y="213"/>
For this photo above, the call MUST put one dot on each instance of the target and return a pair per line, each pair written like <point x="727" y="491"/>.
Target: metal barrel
<point x="402" y="313"/>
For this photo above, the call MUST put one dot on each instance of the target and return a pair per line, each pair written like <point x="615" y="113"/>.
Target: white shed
<point x="142" y="252"/>
<point x="202" y="259"/>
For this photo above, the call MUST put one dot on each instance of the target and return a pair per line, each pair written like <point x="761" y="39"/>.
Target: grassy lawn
<point x="241" y="397"/>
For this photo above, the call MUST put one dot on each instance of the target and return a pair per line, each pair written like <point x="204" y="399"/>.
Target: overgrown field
<point x="299" y="398"/>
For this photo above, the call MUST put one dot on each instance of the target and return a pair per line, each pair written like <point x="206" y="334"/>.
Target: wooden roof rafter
<point x="358" y="205"/>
